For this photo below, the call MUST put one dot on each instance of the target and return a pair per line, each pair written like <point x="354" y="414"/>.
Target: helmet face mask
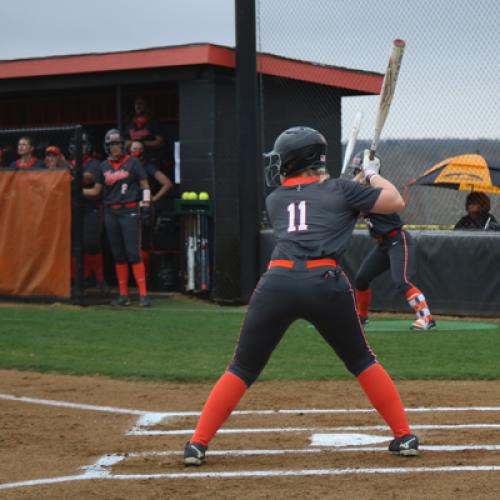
<point x="112" y="136"/>
<point x="356" y="165"/>
<point x="295" y="149"/>
<point x="272" y="167"/>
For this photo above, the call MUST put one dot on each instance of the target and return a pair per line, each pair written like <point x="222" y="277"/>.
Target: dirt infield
<point x="98" y="438"/>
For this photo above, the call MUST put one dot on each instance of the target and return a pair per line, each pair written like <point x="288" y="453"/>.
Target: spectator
<point x="144" y="128"/>
<point x="478" y="216"/>
<point x="26" y="160"/>
<point x="54" y="158"/>
<point x="160" y="185"/>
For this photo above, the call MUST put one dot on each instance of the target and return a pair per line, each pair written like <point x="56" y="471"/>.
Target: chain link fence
<point x="446" y="101"/>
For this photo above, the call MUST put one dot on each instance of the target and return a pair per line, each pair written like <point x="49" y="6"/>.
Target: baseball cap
<point x="52" y="150"/>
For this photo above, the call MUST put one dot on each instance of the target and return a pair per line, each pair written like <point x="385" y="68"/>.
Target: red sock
<point x="384" y="396"/>
<point x="145" y="258"/>
<point x="363" y="299"/>
<point x="96" y="266"/>
<point x="223" y="399"/>
<point x="140" y="277"/>
<point x="122" y="276"/>
<point x="87" y="265"/>
<point x="416" y="300"/>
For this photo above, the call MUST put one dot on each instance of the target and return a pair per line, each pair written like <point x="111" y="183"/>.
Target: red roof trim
<point x="186" y="56"/>
<point x="316" y="73"/>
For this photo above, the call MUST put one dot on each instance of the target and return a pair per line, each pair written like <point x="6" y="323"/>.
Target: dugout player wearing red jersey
<point x="122" y="178"/>
<point x="394" y="252"/>
<point x="313" y="218"/>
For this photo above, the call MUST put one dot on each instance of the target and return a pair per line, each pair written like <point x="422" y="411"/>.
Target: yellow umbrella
<point x="469" y="172"/>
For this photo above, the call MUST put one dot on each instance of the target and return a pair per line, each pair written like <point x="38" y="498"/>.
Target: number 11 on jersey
<point x="292" y="211"/>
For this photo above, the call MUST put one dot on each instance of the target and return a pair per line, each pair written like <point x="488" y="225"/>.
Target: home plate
<point x="346" y="439"/>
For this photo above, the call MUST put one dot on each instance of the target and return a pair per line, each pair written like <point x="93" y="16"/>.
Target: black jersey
<point x="481" y="221"/>
<point x="313" y="219"/>
<point x="143" y="128"/>
<point x="91" y="166"/>
<point x="382" y="224"/>
<point x="121" y="180"/>
<point x="151" y="170"/>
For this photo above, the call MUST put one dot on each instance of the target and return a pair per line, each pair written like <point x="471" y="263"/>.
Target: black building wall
<point x="209" y="150"/>
<point x="287" y="103"/>
<point x="208" y="135"/>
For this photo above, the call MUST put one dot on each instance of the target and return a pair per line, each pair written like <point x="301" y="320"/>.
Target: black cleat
<point x="144" y="301"/>
<point x="121" y="301"/>
<point x="103" y="287"/>
<point x="364" y="320"/>
<point x="406" y="445"/>
<point x="194" y="454"/>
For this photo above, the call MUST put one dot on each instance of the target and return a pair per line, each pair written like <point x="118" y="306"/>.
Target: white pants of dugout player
<point x="395" y="253"/>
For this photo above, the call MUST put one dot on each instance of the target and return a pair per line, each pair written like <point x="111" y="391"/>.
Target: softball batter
<point x="313" y="218"/>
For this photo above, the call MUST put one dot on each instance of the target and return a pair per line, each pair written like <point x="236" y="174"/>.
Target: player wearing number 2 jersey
<point x="313" y="218"/>
<point x="123" y="180"/>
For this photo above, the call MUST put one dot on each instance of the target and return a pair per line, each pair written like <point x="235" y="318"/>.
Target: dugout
<point x="192" y="92"/>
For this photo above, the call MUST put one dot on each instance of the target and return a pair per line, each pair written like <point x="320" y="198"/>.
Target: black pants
<point x="396" y="253"/>
<point x="322" y="296"/>
<point x="92" y="225"/>
<point x="123" y="227"/>
<point x="147" y="231"/>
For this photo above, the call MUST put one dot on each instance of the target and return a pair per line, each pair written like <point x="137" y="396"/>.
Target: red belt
<point x="390" y="234"/>
<point x="310" y="264"/>
<point x="131" y="204"/>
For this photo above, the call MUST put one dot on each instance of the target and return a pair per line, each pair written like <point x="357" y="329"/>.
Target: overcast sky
<point x="449" y="79"/>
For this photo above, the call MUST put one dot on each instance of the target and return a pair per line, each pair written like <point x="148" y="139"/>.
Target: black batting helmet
<point x="295" y="149"/>
<point x="112" y="135"/>
<point x="356" y="164"/>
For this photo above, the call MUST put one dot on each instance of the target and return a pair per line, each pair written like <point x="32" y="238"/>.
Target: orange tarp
<point x="35" y="233"/>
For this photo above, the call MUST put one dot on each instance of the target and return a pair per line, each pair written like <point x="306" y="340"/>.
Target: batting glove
<point x="370" y="167"/>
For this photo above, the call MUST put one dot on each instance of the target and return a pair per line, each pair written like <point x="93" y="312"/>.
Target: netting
<point x="446" y="101"/>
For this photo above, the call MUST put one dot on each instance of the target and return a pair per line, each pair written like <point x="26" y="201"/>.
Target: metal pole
<point x="78" y="220"/>
<point x="249" y="149"/>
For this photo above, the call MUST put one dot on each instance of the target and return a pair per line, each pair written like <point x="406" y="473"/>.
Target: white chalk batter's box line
<point x="102" y="468"/>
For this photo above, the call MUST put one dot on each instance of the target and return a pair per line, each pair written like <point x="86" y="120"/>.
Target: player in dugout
<point x="123" y="182"/>
<point x="27" y="159"/>
<point x="313" y="218"/>
<point x="160" y="185"/>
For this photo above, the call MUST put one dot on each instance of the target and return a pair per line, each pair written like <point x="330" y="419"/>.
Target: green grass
<point x="184" y="340"/>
